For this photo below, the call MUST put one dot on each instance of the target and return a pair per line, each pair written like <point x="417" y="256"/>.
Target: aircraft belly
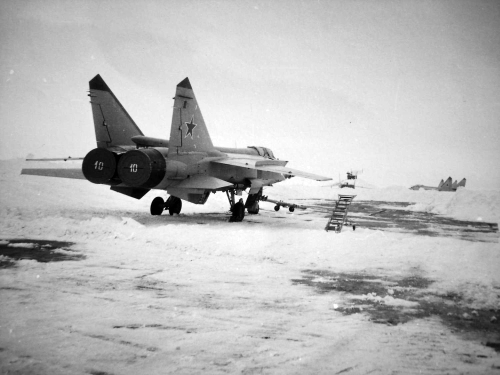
<point x="265" y="175"/>
<point x="236" y="175"/>
<point x="166" y="183"/>
<point x="196" y="196"/>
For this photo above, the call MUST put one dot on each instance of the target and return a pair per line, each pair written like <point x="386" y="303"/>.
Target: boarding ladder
<point x="339" y="214"/>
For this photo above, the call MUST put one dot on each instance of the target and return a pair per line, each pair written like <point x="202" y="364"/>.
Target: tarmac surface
<point x="396" y="217"/>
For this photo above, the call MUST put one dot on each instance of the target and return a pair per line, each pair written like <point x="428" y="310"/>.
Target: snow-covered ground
<point x="196" y="294"/>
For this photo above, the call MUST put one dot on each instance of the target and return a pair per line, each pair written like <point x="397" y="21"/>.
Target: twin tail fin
<point x="113" y="125"/>
<point x="188" y="132"/>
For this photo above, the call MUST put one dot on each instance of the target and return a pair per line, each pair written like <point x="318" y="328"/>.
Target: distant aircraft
<point x="187" y="165"/>
<point x="350" y="182"/>
<point x="447" y="185"/>
<point x="351" y="176"/>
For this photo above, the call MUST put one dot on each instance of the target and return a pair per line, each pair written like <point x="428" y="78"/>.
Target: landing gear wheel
<point x="174" y="205"/>
<point x="254" y="210"/>
<point x="291" y="209"/>
<point x="238" y="212"/>
<point x="157" y="206"/>
<point x="276" y="208"/>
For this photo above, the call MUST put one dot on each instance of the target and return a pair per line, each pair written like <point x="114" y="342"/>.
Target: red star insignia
<point x="190" y="126"/>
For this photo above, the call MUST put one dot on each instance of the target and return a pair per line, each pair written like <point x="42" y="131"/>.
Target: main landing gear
<point x="237" y="208"/>
<point x="173" y="204"/>
<point x="252" y="204"/>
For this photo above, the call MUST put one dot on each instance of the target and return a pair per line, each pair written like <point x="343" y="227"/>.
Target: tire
<point x="238" y="213"/>
<point x="241" y="214"/>
<point x="157" y="206"/>
<point x="175" y="206"/>
<point x="254" y="210"/>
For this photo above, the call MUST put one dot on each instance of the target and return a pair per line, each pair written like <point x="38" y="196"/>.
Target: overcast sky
<point x="408" y="91"/>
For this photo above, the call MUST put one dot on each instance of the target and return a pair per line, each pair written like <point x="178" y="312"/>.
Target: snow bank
<point x="465" y="205"/>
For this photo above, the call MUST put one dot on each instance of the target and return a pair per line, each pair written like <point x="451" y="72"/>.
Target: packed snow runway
<point x="91" y="283"/>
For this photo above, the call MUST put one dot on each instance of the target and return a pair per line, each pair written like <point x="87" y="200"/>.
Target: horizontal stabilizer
<point x="69" y="158"/>
<point x="203" y="182"/>
<point x="75" y="173"/>
<point x="253" y="164"/>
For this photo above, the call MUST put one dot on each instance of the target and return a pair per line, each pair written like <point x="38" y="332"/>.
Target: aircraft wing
<point x="276" y="166"/>
<point x="75" y="173"/>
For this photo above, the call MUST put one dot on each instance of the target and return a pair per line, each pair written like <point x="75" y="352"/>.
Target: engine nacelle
<point x="142" y="168"/>
<point x="99" y="166"/>
<point x="176" y="170"/>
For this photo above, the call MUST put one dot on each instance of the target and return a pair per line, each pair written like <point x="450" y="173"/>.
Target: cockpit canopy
<point x="264" y="151"/>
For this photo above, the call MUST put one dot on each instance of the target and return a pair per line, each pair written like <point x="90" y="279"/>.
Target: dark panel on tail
<point x="185" y="84"/>
<point x="97" y="83"/>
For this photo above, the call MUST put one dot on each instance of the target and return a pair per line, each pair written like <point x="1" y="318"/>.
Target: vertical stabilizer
<point x="113" y="125"/>
<point x="462" y="183"/>
<point x="440" y="184"/>
<point x="454" y="185"/>
<point x="188" y="131"/>
<point x="447" y="185"/>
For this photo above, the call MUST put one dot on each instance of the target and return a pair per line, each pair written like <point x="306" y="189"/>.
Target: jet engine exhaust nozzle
<point x="142" y="168"/>
<point x="99" y="166"/>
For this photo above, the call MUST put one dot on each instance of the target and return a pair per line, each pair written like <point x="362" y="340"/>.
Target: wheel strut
<point x="230" y="197"/>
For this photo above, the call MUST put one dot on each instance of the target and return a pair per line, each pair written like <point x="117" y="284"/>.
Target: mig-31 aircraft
<point x="188" y="166"/>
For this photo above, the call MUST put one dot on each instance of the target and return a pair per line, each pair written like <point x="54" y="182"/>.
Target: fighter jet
<point x="447" y="185"/>
<point x="188" y="166"/>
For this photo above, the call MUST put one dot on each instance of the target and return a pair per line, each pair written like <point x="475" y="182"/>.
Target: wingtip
<point x="97" y="83"/>
<point x="185" y="84"/>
